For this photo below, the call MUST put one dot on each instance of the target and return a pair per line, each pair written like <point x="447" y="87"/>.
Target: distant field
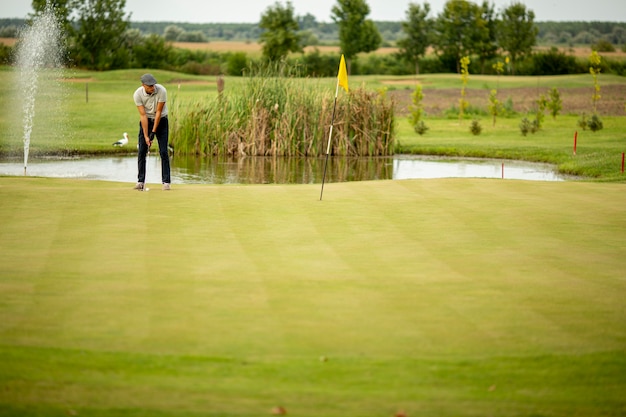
<point x="584" y="51"/>
<point x="8" y="41"/>
<point x="255" y="47"/>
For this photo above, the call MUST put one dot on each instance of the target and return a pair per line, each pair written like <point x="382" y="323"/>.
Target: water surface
<point x="259" y="170"/>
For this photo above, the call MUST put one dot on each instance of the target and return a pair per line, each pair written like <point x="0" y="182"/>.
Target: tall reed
<point x="278" y="113"/>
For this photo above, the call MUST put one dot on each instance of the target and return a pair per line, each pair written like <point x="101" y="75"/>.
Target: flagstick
<point x="330" y="136"/>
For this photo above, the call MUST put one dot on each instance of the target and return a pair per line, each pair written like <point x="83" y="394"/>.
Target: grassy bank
<point x="435" y="297"/>
<point x="598" y="154"/>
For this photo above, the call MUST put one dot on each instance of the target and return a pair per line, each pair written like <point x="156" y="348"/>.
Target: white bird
<point x="122" y="141"/>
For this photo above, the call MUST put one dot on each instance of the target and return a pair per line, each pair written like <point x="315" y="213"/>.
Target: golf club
<point x="146" y="180"/>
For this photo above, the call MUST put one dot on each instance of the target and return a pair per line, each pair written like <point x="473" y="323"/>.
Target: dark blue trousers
<point x="162" y="135"/>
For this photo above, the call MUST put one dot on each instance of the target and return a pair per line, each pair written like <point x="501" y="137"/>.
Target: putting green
<point x="437" y="297"/>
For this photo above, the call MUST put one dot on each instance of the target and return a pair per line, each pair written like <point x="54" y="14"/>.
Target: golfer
<point x="150" y="100"/>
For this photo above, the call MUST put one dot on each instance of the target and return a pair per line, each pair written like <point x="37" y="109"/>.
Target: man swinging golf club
<point x="150" y="100"/>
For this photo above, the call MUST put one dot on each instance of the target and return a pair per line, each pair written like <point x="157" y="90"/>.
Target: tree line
<point x="100" y="36"/>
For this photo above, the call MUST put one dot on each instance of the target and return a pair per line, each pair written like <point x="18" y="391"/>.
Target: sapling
<point x="542" y="103"/>
<point x="494" y="104"/>
<point x="594" y="68"/>
<point x="463" y="104"/>
<point x="554" y="104"/>
<point x="417" y="111"/>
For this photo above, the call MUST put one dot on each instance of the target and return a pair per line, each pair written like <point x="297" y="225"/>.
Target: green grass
<point x="598" y="154"/>
<point x="457" y="297"/>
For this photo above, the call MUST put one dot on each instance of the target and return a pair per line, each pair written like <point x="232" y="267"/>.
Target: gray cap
<point x="148" y="79"/>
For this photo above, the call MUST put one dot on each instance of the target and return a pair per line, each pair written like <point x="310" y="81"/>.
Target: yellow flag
<point x="343" y="74"/>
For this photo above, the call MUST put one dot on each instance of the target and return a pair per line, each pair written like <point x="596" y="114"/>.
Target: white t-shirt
<point x="149" y="101"/>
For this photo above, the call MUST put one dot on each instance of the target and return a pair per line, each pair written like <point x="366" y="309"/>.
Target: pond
<point x="268" y="170"/>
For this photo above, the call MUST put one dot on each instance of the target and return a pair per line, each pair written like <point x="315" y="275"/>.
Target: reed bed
<point x="276" y="113"/>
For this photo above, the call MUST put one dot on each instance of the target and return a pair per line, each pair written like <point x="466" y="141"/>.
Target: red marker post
<point x="575" y="141"/>
<point x="622" y="162"/>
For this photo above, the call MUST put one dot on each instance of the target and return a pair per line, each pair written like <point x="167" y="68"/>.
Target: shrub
<point x="535" y="125"/>
<point x="525" y="126"/>
<point x="554" y="62"/>
<point x="194" y="36"/>
<point x="595" y="123"/>
<point x="5" y="54"/>
<point x="420" y="128"/>
<point x="236" y="63"/>
<point x="318" y="65"/>
<point x="603" y="46"/>
<point x="382" y="64"/>
<point x="475" y="127"/>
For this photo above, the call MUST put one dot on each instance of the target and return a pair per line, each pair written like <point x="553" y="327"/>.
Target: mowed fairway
<point x="454" y="297"/>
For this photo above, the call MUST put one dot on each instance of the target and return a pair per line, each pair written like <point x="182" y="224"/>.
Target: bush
<point x="603" y="46"/>
<point x="525" y="126"/>
<point x="554" y="62"/>
<point x="595" y="123"/>
<point x="6" y="54"/>
<point x="200" y="68"/>
<point x="382" y="64"/>
<point x="420" y="128"/>
<point x="236" y="63"/>
<point x="194" y="36"/>
<point x="9" y="32"/>
<point x="318" y="65"/>
<point x="475" y="127"/>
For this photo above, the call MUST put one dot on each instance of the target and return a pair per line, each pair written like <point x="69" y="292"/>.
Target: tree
<point x="308" y="21"/>
<point x="517" y="33"/>
<point x="356" y="32"/>
<point x="458" y="29"/>
<point x="62" y="10"/>
<point x="100" y="35"/>
<point x="486" y="42"/>
<point x="151" y="51"/>
<point x="172" y="32"/>
<point x="417" y="29"/>
<point x="280" y="34"/>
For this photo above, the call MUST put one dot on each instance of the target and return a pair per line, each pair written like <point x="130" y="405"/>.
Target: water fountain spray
<point x="39" y="60"/>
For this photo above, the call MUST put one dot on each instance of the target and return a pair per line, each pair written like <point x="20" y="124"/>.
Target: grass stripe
<point x="440" y="297"/>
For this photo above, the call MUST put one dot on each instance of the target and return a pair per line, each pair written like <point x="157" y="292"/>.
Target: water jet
<point x="39" y="61"/>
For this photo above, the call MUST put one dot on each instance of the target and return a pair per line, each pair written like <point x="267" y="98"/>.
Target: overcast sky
<point x="249" y="11"/>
